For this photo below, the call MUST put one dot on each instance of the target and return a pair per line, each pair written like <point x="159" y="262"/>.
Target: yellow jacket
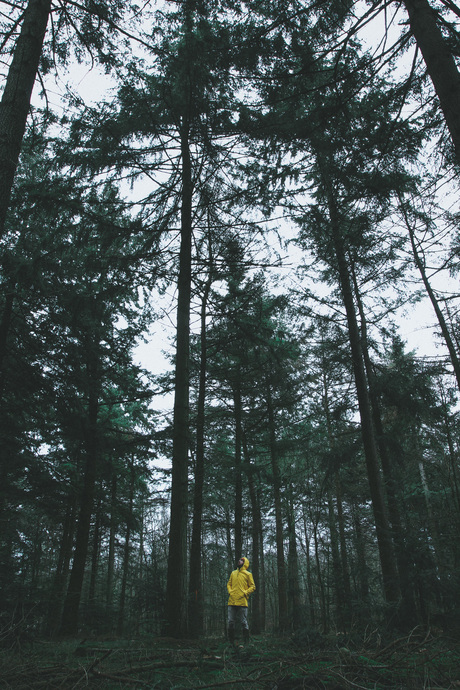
<point x="240" y="585"/>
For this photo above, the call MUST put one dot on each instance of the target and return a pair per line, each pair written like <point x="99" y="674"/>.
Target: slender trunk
<point x="322" y="595"/>
<point x="62" y="569"/>
<point x="343" y="547"/>
<point x="407" y="613"/>
<point x="111" y="554"/>
<point x="69" y="625"/>
<point x="361" y="562"/>
<point x="256" y="531"/>
<point x="195" y="601"/>
<point x="95" y="556"/>
<point x="387" y="559"/>
<point x="340" y="576"/>
<point x="262" y="579"/>
<point x="295" y="605"/>
<point x="280" y="561"/>
<point x="238" y="474"/>
<point x="177" y="556"/>
<point x="439" y="62"/>
<point x="432" y="526"/>
<point x="336" y="563"/>
<point x="33" y="562"/>
<point x="4" y="330"/>
<point x="141" y="541"/>
<point x="439" y="315"/>
<point x="15" y="103"/>
<point x="452" y="472"/>
<point x="257" y="598"/>
<point x="382" y="527"/>
<point x="452" y="469"/>
<point x="228" y="540"/>
<point x="311" y="598"/>
<point x="124" y="578"/>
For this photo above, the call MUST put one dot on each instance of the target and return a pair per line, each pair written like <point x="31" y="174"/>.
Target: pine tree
<point x="90" y="26"/>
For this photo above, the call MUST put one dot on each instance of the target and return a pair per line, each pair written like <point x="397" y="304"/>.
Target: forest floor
<point x="417" y="661"/>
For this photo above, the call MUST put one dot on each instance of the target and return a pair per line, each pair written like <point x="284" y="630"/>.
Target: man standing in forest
<point x="240" y="586"/>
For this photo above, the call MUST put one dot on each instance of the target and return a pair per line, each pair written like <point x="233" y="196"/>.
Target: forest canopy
<point x="267" y="194"/>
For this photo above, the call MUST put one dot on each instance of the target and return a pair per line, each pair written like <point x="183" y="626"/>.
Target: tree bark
<point x="124" y="577"/>
<point x="361" y="562"/>
<point x="294" y="598"/>
<point x="336" y="563"/>
<point x="195" y="602"/>
<point x="112" y="530"/>
<point x="262" y="579"/>
<point x="62" y="570"/>
<point x="238" y="474"/>
<point x="452" y="455"/>
<point x="280" y="560"/>
<point x="346" y="584"/>
<point x="5" y="324"/>
<point x="439" y="62"/>
<point x="177" y="556"/>
<point x="95" y="556"/>
<point x="228" y="540"/>
<point x="257" y="599"/>
<point x="407" y="612"/>
<point x="382" y="527"/>
<point x="15" y="103"/>
<point x="69" y="624"/>
<point x="309" y="581"/>
<point x="437" y="310"/>
<point x="339" y="556"/>
<point x="322" y="594"/>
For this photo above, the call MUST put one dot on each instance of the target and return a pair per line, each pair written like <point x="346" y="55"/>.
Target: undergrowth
<point x="419" y="660"/>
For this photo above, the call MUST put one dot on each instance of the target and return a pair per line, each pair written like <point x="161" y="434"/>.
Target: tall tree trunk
<point x="338" y="555"/>
<point x="177" y="556"/>
<point x="336" y="562"/>
<point x="141" y="541"/>
<point x="361" y="562"/>
<point x="195" y="601"/>
<point x="126" y="549"/>
<point x="407" y="610"/>
<point x="311" y="598"/>
<point x="437" y="310"/>
<point x="5" y="323"/>
<point x="257" y="597"/>
<point x="256" y="532"/>
<point x="228" y="540"/>
<point x="262" y="579"/>
<point x="382" y="527"/>
<point x="95" y="556"/>
<point x="69" y="624"/>
<point x="434" y="541"/>
<point x="295" y="605"/>
<point x="452" y="472"/>
<point x="322" y="594"/>
<point x="238" y="473"/>
<point x="62" y="570"/>
<point x="280" y="560"/>
<point x="343" y="548"/>
<point x="15" y="103"/>
<point x="439" y="62"/>
<point x="112" y="531"/>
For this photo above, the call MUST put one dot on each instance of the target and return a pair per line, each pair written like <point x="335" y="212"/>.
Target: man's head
<point x="241" y="562"/>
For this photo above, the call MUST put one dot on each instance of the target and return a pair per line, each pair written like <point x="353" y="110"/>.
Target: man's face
<point x="240" y="562"/>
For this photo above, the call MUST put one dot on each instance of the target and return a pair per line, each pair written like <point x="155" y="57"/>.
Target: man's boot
<point x="231" y="635"/>
<point x="245" y="636"/>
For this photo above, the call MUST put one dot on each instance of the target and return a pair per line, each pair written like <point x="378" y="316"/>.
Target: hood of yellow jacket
<point x="245" y="565"/>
